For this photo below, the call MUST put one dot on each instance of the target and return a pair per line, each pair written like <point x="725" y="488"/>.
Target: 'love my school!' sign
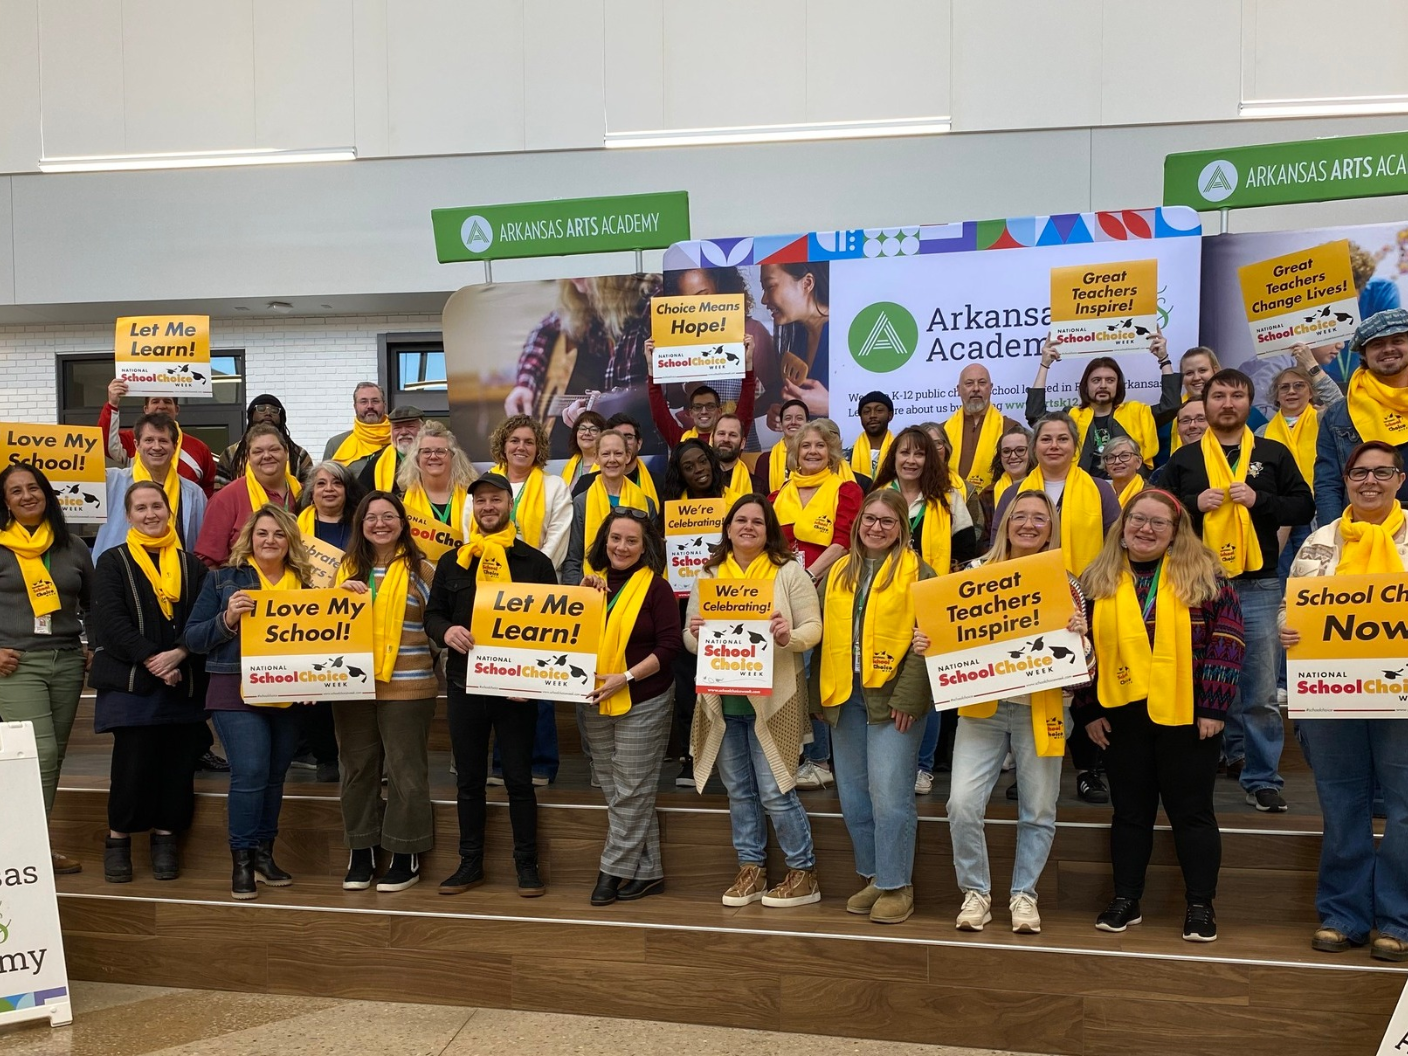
<point x="71" y="456"/>
<point x="307" y="645"/>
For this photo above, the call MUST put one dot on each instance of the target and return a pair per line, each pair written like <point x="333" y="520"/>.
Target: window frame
<point x="390" y="347"/>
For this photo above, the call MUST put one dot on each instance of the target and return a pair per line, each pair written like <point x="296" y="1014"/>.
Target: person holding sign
<point x="1167" y="629"/>
<point x="150" y="692"/>
<point x="876" y="410"/>
<point x="542" y="507"/>
<point x="754" y="740"/>
<point x="609" y="490"/>
<point x="582" y="460"/>
<point x="46" y="581"/>
<point x="627" y="717"/>
<point x="388" y="736"/>
<point x="705" y="404"/>
<point x="875" y="699"/>
<point x="267" y="481"/>
<point x="1239" y="491"/>
<point x="433" y="480"/>
<point x="260" y="740"/>
<point x="193" y="460"/>
<point x="1122" y="459"/>
<point x="1360" y="889"/>
<point x="370" y="431"/>
<point x="771" y="473"/>
<point x="1195" y="367"/>
<point x="158" y="444"/>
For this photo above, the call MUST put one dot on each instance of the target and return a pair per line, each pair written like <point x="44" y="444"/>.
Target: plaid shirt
<point x="620" y="365"/>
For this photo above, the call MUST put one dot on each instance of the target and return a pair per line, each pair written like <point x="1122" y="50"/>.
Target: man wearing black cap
<point x="378" y="472"/>
<point x="493" y="546"/>
<point x="263" y="409"/>
<point x="875" y="409"/>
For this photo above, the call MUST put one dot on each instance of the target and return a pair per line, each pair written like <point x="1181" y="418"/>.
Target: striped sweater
<point x="413" y="678"/>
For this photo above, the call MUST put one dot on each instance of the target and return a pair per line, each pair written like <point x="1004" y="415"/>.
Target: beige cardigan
<point x="782" y="718"/>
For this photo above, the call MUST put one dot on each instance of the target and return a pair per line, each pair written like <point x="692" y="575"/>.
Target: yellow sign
<point x="999" y="630"/>
<point x="693" y="528"/>
<point x="1099" y="309"/>
<point x="697" y="338"/>
<point x="433" y="537"/>
<point x="1352" y="660"/>
<point x="302" y="645"/>
<point x="164" y="355"/>
<point x="735" y="644"/>
<point x="534" y="640"/>
<point x="71" y="456"/>
<point x="327" y="559"/>
<point x="1307" y="296"/>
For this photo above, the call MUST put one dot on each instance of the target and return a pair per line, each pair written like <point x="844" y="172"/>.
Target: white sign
<point x="1395" y="1041"/>
<point x="736" y="646"/>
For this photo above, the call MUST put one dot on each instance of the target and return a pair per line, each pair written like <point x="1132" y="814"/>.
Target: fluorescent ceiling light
<point x="202" y="160"/>
<point x="1344" y="107"/>
<point x="693" y="137"/>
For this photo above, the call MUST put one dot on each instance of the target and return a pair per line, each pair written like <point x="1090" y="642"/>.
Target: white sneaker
<point x="809" y="777"/>
<point x="1025" y="919"/>
<point x="495" y="781"/>
<point x="976" y="911"/>
<point x="924" y="783"/>
<point x="1008" y="763"/>
<point x="1281" y="698"/>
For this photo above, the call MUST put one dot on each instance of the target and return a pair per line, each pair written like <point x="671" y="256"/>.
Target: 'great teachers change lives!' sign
<point x="164" y="355"/>
<point x="534" y="641"/>
<point x="307" y="645"/>
<point x="1307" y="296"/>
<point x="1352" y="660"/>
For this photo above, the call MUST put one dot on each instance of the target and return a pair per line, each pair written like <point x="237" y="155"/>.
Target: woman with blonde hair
<point x="873" y="694"/>
<point x="434" y="481"/>
<point x="1167" y="630"/>
<point x="260" y="739"/>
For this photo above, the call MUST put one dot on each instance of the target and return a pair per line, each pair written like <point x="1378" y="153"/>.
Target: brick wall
<point x="309" y="364"/>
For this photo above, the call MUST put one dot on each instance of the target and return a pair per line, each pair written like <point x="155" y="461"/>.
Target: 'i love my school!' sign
<point x="999" y="629"/>
<point x="73" y="459"/>
<point x="307" y="645"/>
<point x="1352" y="660"/>
<point x="534" y="641"/>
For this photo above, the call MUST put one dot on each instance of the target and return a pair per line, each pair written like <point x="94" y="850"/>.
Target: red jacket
<point x="196" y="463"/>
<point x="670" y="427"/>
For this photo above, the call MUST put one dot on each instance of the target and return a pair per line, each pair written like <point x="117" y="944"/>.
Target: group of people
<point x="1174" y="560"/>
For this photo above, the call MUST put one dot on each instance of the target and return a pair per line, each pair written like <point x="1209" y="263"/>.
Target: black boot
<point x="266" y="870"/>
<point x="166" y="865"/>
<point x="242" y="884"/>
<point x="117" y="860"/>
<point x="469" y="874"/>
<point x="530" y="884"/>
<point x="605" y="891"/>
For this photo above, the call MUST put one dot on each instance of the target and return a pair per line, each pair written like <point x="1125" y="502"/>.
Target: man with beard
<point x="727" y="442"/>
<point x="976" y="428"/>
<point x="1239" y="489"/>
<point x="370" y="431"/>
<point x="379" y="473"/>
<point x="1102" y="412"/>
<point x="875" y="410"/>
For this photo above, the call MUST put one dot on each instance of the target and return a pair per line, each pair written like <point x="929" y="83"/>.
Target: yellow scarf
<point x="1378" y="411"/>
<point x="166" y="582"/>
<point x="620" y="619"/>
<point x="886" y="633"/>
<point x="1135" y="418"/>
<point x="258" y="497"/>
<point x="936" y="542"/>
<point x="288" y="581"/>
<point x="171" y="485"/>
<point x="980" y="469"/>
<point x="492" y="551"/>
<point x="1133" y="488"/>
<point x="1228" y="530"/>
<point x="530" y="507"/>
<point x="308" y="522"/>
<point x="1174" y="440"/>
<point x="1082" y="523"/>
<point x="387" y="463"/>
<point x="740" y="483"/>
<point x="646" y="483"/>
<point x="1369" y="548"/>
<point x="416" y="499"/>
<point x="29" y="549"/>
<point x="861" y="455"/>
<point x="761" y="567"/>
<point x="1003" y="483"/>
<point x="362" y="441"/>
<point x="816" y="521"/>
<point x="599" y="508"/>
<point x="569" y="472"/>
<point x="1129" y="669"/>
<point x="1300" y="438"/>
<point x="689" y="434"/>
<point x="388" y="613"/>
<point x="1048" y="720"/>
<point x="777" y="465"/>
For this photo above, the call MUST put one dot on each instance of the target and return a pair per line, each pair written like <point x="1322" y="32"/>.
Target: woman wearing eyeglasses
<point x="1360" y="889"/>
<point x="1167" y="630"/>
<point x="435" y="477"/>
<point x="585" y="432"/>
<point x="874" y="696"/>
<point x="1014" y="458"/>
<point x="1122" y="461"/>
<point x="610" y="490"/>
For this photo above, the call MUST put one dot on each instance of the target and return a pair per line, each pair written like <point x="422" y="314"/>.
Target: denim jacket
<point x="1338" y="437"/>
<point x="206" y="631"/>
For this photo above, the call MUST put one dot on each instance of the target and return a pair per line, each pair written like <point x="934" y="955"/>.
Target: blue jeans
<point x="1283" y="569"/>
<point x="875" y="766"/>
<point x="929" y="743"/>
<point x="545" y="755"/>
<point x="752" y="791"/>
<point x="978" y="751"/>
<point x="819" y="751"/>
<point x="1360" y="890"/>
<point x="1254" y="727"/>
<point x="259" y="745"/>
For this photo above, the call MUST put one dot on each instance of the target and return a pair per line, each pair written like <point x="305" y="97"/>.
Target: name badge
<point x="44" y="624"/>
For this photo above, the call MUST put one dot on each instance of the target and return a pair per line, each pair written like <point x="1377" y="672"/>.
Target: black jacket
<point x="452" y="596"/>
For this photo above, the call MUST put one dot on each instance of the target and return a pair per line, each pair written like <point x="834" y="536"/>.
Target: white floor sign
<point x="33" y="976"/>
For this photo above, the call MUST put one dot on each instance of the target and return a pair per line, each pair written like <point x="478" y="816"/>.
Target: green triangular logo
<point x="1217" y="182"/>
<point x="883" y="338"/>
<point x="478" y="234"/>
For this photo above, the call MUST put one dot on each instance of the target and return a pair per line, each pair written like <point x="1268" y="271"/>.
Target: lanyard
<point x="373" y="581"/>
<point x="513" y="512"/>
<point x="441" y="512"/>
<point x="1153" y="592"/>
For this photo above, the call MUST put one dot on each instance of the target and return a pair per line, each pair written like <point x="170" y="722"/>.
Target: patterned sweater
<point x="413" y="678"/>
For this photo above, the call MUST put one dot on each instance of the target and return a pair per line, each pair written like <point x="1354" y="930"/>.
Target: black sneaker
<point x="361" y="866"/>
<point x="404" y="873"/>
<point x="304" y="761"/>
<point x="1012" y="791"/>
<point x="1121" y="913"/>
<point x="1200" y="923"/>
<point x="530" y="884"/>
<point x="1090" y="788"/>
<point x="212" y="764"/>
<point x="1267" y="800"/>
<point x="686" y="776"/>
<point x="469" y="874"/>
<point x="328" y="773"/>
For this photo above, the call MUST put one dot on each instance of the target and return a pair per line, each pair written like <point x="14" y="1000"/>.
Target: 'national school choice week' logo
<point x="883" y="336"/>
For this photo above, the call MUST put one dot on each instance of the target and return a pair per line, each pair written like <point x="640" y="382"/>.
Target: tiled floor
<point x="114" y="1020"/>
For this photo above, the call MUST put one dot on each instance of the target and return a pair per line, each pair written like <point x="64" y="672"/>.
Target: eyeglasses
<point x="1383" y="474"/>
<point x="1014" y="452"/>
<point x="632" y="437"/>
<point x="266" y="408"/>
<point x="1293" y="386"/>
<point x="1201" y="419"/>
<point x="593" y="429"/>
<point x="382" y="518"/>
<point x="1139" y="520"/>
<point x="697" y="407"/>
<point x="631" y="512"/>
<point x="872" y="521"/>
<point x="1119" y="458"/>
<point x="1035" y="519"/>
<point x="435" y="452"/>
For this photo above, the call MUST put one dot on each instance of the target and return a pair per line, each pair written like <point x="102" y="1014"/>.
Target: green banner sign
<point x="561" y="227"/>
<point x="1313" y="170"/>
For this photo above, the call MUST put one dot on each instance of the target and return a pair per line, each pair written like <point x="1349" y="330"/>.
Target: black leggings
<point x="513" y="723"/>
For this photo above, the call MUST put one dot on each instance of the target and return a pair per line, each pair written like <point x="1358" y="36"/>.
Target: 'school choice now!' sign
<point x="1352" y="660"/>
<point x="534" y="640"/>
<point x="692" y="528"/>
<point x="999" y="629"/>
<point x="697" y="338"/>
<point x="73" y="459"/>
<point x="735" y="645"/>
<point x="307" y="645"/>
<point x="164" y="355"/>
<point x="1099" y="309"/>
<point x="1307" y="296"/>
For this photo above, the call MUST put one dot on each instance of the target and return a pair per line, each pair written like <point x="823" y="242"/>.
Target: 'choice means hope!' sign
<point x="697" y="338"/>
<point x="534" y="640"/>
